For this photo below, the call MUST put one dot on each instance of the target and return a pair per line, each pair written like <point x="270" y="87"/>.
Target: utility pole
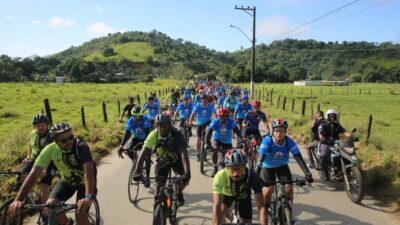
<point x="253" y="42"/>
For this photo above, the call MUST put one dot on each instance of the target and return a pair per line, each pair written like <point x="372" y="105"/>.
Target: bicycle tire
<point x="160" y="214"/>
<point x="285" y="215"/>
<point x="94" y="213"/>
<point x="5" y="219"/>
<point x="202" y="153"/>
<point x="173" y="211"/>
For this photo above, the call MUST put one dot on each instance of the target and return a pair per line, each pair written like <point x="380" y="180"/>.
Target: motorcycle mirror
<point x="354" y="130"/>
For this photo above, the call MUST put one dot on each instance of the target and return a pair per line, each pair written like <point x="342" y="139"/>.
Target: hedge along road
<point x="321" y="203"/>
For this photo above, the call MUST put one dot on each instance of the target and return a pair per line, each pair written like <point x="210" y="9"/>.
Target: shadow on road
<point x="307" y="214"/>
<point x="200" y="220"/>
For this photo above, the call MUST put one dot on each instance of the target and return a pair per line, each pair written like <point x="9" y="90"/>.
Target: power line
<point x="318" y="18"/>
<point x="336" y="50"/>
<point x="343" y="17"/>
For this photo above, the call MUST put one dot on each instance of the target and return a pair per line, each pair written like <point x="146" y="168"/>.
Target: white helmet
<point x="331" y="111"/>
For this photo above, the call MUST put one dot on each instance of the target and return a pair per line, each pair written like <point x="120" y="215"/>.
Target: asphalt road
<point x="322" y="203"/>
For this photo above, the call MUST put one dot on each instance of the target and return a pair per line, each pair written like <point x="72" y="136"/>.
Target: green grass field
<point x="20" y="101"/>
<point x="132" y="51"/>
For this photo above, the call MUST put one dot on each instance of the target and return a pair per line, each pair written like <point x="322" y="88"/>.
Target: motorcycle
<point x="344" y="166"/>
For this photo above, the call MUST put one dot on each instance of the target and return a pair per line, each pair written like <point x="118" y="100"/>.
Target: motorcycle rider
<point x="328" y="133"/>
<point x="318" y="120"/>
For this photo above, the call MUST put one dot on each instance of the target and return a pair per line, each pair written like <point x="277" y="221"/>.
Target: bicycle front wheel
<point x="133" y="186"/>
<point x="5" y="218"/>
<point x="285" y="215"/>
<point x="94" y="213"/>
<point x="160" y="215"/>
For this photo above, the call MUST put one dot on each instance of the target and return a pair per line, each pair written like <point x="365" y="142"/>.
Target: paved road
<point x="319" y="204"/>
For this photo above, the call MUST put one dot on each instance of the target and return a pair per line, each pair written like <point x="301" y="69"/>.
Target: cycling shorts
<point x="269" y="174"/>
<point x="63" y="191"/>
<point x="217" y="145"/>
<point x="201" y="128"/>
<point x="50" y="171"/>
<point x="177" y="167"/>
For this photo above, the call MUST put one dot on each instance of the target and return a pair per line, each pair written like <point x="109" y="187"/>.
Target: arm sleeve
<point x="341" y="129"/>
<point x="294" y="149"/>
<point x="256" y="183"/>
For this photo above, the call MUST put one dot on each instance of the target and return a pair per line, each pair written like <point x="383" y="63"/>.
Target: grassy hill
<point x="132" y="51"/>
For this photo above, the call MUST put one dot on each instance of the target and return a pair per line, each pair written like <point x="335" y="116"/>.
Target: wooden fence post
<point x="145" y="95"/>
<point x="292" y="105"/>
<point x="270" y="98"/>
<point x="267" y="95"/>
<point x="48" y="110"/>
<point x="312" y="110"/>
<point x="319" y="107"/>
<point x="104" y="112"/>
<point x="159" y="92"/>
<point x="279" y="100"/>
<point x="284" y="103"/>
<point x="303" y="109"/>
<point x="119" y="107"/>
<point x="369" y="129"/>
<point x="83" y="116"/>
<point x="138" y="99"/>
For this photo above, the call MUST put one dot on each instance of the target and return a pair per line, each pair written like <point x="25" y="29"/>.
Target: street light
<point x="253" y="43"/>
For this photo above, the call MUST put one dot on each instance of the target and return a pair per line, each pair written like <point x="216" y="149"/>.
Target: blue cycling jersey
<point x="230" y="103"/>
<point x="152" y="110"/>
<point x="221" y="100"/>
<point x="197" y="100"/>
<point x="241" y="110"/>
<point x="223" y="132"/>
<point x="137" y="129"/>
<point x="277" y="155"/>
<point x="185" y="111"/>
<point x="203" y="113"/>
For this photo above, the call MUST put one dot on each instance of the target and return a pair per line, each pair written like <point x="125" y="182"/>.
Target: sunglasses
<point x="280" y="130"/>
<point x="67" y="139"/>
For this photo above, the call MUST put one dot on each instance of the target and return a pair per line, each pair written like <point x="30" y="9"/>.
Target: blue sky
<point x="44" y="27"/>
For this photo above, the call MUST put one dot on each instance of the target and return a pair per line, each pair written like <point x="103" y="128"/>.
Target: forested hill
<point x="141" y="55"/>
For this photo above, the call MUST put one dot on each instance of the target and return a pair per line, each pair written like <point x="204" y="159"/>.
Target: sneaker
<point x="214" y="172"/>
<point x="44" y="220"/>
<point x="190" y="132"/>
<point x="181" y="199"/>
<point x="146" y="182"/>
<point x="197" y="157"/>
<point x="311" y="165"/>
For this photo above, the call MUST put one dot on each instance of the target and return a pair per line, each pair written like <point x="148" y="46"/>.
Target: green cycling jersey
<point x="38" y="142"/>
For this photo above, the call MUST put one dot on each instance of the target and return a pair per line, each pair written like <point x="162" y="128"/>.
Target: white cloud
<point x="99" y="29"/>
<point x="8" y="17"/>
<point x="37" y="22"/>
<point x="57" y="22"/>
<point x="276" y="25"/>
<point x="98" y="9"/>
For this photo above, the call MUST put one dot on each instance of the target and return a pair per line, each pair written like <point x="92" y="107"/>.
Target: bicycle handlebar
<point x="297" y="182"/>
<point x="9" y="172"/>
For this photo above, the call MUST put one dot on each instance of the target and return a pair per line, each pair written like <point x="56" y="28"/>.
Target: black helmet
<point x="162" y="118"/>
<point x="40" y="118"/>
<point x="59" y="128"/>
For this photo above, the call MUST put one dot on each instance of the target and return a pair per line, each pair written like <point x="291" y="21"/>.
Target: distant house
<point x="61" y="79"/>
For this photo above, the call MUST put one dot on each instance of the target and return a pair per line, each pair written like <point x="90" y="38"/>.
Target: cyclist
<point x="231" y="102"/>
<point x="274" y="151"/>
<point x="170" y="147"/>
<point x="172" y="100"/>
<point x="234" y="183"/>
<point x="251" y="122"/>
<point x="318" y="120"/>
<point x="128" y="108"/>
<point x="38" y="139"/>
<point x="137" y="128"/>
<point x="184" y="110"/>
<point x="328" y="132"/>
<point x="204" y="112"/>
<point x="221" y="99"/>
<point x="221" y="129"/>
<point x="241" y="109"/>
<point x="73" y="160"/>
<point x="152" y="108"/>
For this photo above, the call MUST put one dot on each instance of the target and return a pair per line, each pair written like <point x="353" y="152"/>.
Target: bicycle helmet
<point x="280" y="123"/>
<point x="223" y="111"/>
<point x="40" y="118"/>
<point x="235" y="157"/>
<point x="137" y="111"/>
<point x="59" y="128"/>
<point x="162" y="118"/>
<point x="245" y="97"/>
<point x="331" y="111"/>
<point x="256" y="103"/>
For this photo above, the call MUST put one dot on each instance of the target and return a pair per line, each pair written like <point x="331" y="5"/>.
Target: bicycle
<point x="186" y="132"/>
<point x="32" y="198"/>
<point x="280" y="208"/>
<point x="252" y="151"/>
<point x="132" y="185"/>
<point x="166" y="203"/>
<point x="62" y="207"/>
<point x="203" y="151"/>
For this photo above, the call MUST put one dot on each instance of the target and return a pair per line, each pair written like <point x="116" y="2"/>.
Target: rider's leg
<point x="82" y="218"/>
<point x="199" y="132"/>
<point x="245" y="209"/>
<point x="214" y="148"/>
<point x="324" y="159"/>
<point x="311" y="146"/>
